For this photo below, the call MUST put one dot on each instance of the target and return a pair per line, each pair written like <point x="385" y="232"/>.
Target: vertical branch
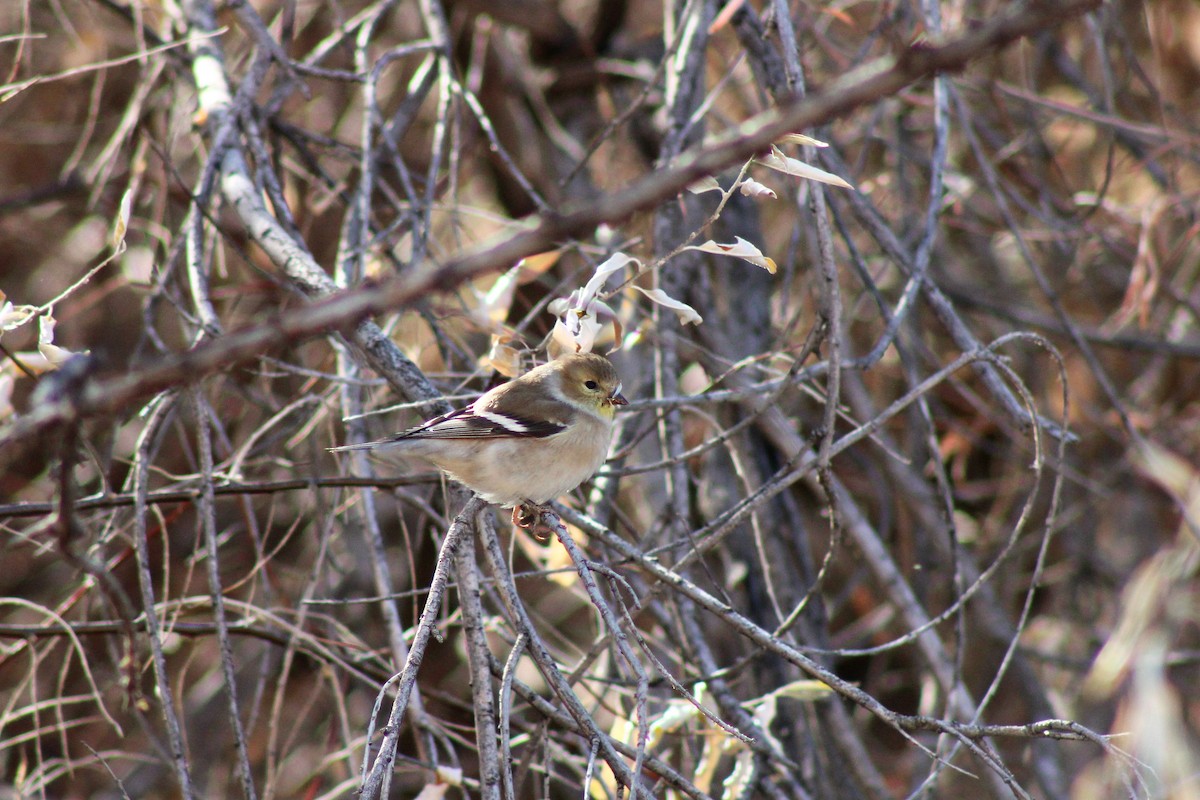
<point x="159" y="411"/>
<point x="478" y="663"/>
<point x="349" y="272"/>
<point x="537" y="649"/>
<point x="506" y="684"/>
<point x="615" y="630"/>
<point x="207" y="515"/>
<point x="434" y="18"/>
<point x="372" y="782"/>
<point x="684" y="90"/>
<point x="831" y="295"/>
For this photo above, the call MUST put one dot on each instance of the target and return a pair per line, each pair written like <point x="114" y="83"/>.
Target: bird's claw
<point x="530" y="516"/>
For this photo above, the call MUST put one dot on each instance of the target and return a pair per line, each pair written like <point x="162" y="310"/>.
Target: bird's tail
<point x="347" y="447"/>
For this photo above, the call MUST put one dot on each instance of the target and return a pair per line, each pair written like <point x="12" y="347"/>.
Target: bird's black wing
<point x="469" y="423"/>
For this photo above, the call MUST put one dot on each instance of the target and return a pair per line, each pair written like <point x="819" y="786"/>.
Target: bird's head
<point x="592" y="381"/>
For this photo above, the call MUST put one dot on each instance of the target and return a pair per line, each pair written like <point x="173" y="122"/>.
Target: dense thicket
<point x="905" y="501"/>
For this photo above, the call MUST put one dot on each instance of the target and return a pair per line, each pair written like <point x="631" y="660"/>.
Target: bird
<point x="525" y="442"/>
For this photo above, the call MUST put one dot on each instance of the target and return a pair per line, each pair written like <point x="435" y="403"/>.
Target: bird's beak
<point x="617" y="399"/>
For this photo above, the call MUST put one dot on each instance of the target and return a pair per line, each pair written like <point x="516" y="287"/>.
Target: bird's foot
<point x="532" y="517"/>
<point x="525" y="515"/>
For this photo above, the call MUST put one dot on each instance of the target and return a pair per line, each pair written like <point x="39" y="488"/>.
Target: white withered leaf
<point x="739" y="249"/>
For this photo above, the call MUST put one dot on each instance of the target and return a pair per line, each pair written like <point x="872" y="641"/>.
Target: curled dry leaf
<point x="12" y="316"/>
<point x="618" y="335"/>
<point x="580" y="314"/>
<point x="563" y="341"/>
<point x="776" y="160"/>
<point x="686" y="313"/>
<point x="615" y="263"/>
<point x="739" y="249"/>
<point x="34" y="362"/>
<point x="576" y="329"/>
<point x="53" y="354"/>
<point x="677" y="718"/>
<point x="752" y="188"/>
<point x="503" y="357"/>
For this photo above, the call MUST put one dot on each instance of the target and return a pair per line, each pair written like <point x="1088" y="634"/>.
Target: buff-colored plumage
<point x="530" y="440"/>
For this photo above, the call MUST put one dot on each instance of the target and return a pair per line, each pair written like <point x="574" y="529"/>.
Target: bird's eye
<point x="591" y="385"/>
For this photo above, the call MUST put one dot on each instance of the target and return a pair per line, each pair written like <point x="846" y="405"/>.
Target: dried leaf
<point x="137" y="265"/>
<point x="800" y="138"/>
<point x="7" y="383"/>
<point x="451" y="776"/>
<point x="1173" y="472"/>
<point x="561" y="341"/>
<point x="839" y="14"/>
<point x="1153" y="714"/>
<point x="618" y="335"/>
<point x="776" y="160"/>
<point x="433" y="791"/>
<point x="766" y="708"/>
<point x="34" y="361"/>
<point x="1144" y="278"/>
<point x="53" y="354"/>
<point x="740" y="780"/>
<point x="682" y="310"/>
<point x="706" y="184"/>
<point x="706" y="765"/>
<point x="537" y="264"/>
<point x="1148" y="593"/>
<point x="752" y="188"/>
<point x="121" y="226"/>
<point x="495" y="303"/>
<point x="11" y="316"/>
<point x="445" y="779"/>
<point x="46" y="327"/>
<point x="722" y="19"/>
<point x="739" y="249"/>
<point x="764" y="715"/>
<point x="585" y="331"/>
<point x="675" y="717"/>
<point x="804" y="690"/>
<point x="615" y="263"/>
<point x="574" y="332"/>
<point x="504" y="358"/>
<point x="580" y="314"/>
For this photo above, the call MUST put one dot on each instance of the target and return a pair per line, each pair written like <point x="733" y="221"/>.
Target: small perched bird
<point x="525" y="442"/>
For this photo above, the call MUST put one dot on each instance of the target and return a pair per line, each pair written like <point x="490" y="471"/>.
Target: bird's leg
<point x="531" y="517"/>
<point x="526" y="515"/>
